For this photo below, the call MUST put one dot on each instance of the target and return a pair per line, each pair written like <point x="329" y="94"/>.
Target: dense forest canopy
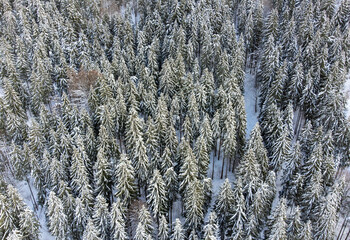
<point x="123" y="115"/>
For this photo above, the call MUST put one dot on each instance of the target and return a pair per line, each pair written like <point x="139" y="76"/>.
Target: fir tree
<point x="306" y="231"/>
<point x="249" y="172"/>
<point x="238" y="214"/>
<point x="80" y="216"/>
<point x="156" y="198"/>
<point x="171" y="182"/>
<point x="223" y="206"/>
<point x="145" y="219"/>
<point x="101" y="217"/>
<point x="163" y="229"/>
<point x="29" y="224"/>
<point x="141" y="234"/>
<point x="193" y="202"/>
<point x="15" y="235"/>
<point x="202" y="156"/>
<point x="257" y="145"/>
<point x="230" y="142"/>
<point x="140" y="161"/>
<point x="327" y="217"/>
<point x="91" y="232"/>
<point x="281" y="150"/>
<point x="58" y="224"/>
<point x="188" y="171"/>
<point x="178" y="231"/>
<point x="295" y="226"/>
<point x="125" y="180"/>
<point x="103" y="175"/>
<point x="6" y="217"/>
<point x="117" y="223"/>
<point x="211" y="228"/>
<point x="278" y="229"/>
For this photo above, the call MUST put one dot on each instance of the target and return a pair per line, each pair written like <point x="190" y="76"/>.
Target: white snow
<point x="1" y="92"/>
<point x="250" y="97"/>
<point x="23" y="189"/>
<point x="347" y="95"/>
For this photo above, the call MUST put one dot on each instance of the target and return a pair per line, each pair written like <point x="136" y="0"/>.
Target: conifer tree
<point x="193" y="201"/>
<point x="281" y="150"/>
<point x="202" y="156"/>
<point x="20" y="164"/>
<point x="133" y="131"/>
<point x="166" y="161"/>
<point x="145" y="219"/>
<point x="295" y="226"/>
<point x="211" y="228"/>
<point x="208" y="190"/>
<point x="327" y="216"/>
<point x="117" y="223"/>
<point x="80" y="216"/>
<point x="171" y="182"/>
<point x="29" y="224"/>
<point x="12" y="102"/>
<point x="156" y="198"/>
<point x="256" y="143"/>
<point x="79" y="173"/>
<point x="313" y="163"/>
<point x="278" y="226"/>
<point x="163" y="229"/>
<point x="102" y="174"/>
<point x="230" y="142"/>
<point x="125" y="180"/>
<point x="56" y="174"/>
<point x="238" y="215"/>
<point x="292" y="165"/>
<point x="217" y="128"/>
<point x="223" y="206"/>
<point x="141" y="233"/>
<point x="249" y="172"/>
<point x="188" y="171"/>
<point x="140" y="161"/>
<point x="91" y="232"/>
<point x="306" y="231"/>
<point x="6" y="217"/>
<point x="152" y="143"/>
<point x="58" y="224"/>
<point x="178" y="231"/>
<point x="101" y="218"/>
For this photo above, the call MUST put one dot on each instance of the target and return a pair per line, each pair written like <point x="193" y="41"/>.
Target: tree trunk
<point x="219" y="149"/>
<point x="229" y="165"/>
<point x="171" y="216"/>
<point x="222" y="168"/>
<point x="212" y="171"/>
<point x="31" y="193"/>
<point x="343" y="227"/>
<point x="120" y="143"/>
<point x="348" y="235"/>
<point x="215" y="147"/>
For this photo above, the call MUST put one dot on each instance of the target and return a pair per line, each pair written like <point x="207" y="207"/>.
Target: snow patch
<point x="347" y="95"/>
<point x="250" y="98"/>
<point x="25" y="191"/>
<point x="2" y="94"/>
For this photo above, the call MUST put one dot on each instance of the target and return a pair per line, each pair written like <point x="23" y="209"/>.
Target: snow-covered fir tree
<point x="108" y="107"/>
